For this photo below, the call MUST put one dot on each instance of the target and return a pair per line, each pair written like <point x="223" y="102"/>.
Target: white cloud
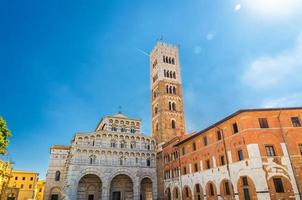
<point x="290" y="100"/>
<point x="272" y="71"/>
<point x="237" y="7"/>
<point x="273" y="9"/>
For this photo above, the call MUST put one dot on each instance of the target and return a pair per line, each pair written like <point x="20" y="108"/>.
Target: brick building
<point x="251" y="154"/>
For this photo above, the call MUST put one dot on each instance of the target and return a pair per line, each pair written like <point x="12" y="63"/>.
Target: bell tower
<point x="167" y="99"/>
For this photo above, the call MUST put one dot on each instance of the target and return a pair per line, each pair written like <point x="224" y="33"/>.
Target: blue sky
<point x="66" y="64"/>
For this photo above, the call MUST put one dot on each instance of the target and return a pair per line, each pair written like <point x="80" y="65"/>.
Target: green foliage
<point x="4" y="135"/>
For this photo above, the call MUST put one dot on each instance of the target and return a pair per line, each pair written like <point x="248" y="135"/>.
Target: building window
<point x="211" y="190"/>
<point x="235" y="128"/>
<point x="148" y="162"/>
<point x="270" y="151"/>
<point x="195" y="167"/>
<point x="183" y="150"/>
<point x="263" y="123"/>
<point x="185" y="170"/>
<point x="123" y="144"/>
<point x="16" y="178"/>
<point x="208" y="165"/>
<point x="296" y="121"/>
<point x="218" y="133"/>
<point x="227" y="188"/>
<point x="194" y="146"/>
<point x="187" y="192"/>
<point x="244" y="181"/>
<point x="205" y="141"/>
<point x="240" y="155"/>
<point x="173" y="124"/>
<point x="22" y="186"/>
<point x="121" y="161"/>
<point x="23" y="178"/>
<point x="31" y="178"/>
<point x="278" y="185"/>
<point x="132" y="130"/>
<point x="92" y="159"/>
<point x="30" y="186"/>
<point x="113" y="143"/>
<point x="300" y="148"/>
<point x="222" y="160"/>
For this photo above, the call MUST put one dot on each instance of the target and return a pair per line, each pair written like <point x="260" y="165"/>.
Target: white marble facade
<point x="116" y="161"/>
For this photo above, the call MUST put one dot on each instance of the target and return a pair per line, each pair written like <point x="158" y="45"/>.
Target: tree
<point x="4" y="135"/>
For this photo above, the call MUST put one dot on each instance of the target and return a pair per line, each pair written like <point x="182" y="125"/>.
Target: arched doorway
<point x="55" y="193"/>
<point x="168" y="194"/>
<point x="280" y="187"/>
<point x="198" y="193"/>
<point x="246" y="188"/>
<point x="186" y="193"/>
<point x="211" y="192"/>
<point x="146" y="189"/>
<point x="121" y="188"/>
<point x="226" y="190"/>
<point x="89" y="188"/>
<point x="176" y="194"/>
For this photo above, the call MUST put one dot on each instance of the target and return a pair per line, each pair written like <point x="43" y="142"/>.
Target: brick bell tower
<point x="167" y="99"/>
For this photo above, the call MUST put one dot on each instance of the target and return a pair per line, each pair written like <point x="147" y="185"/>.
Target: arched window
<point x="113" y="128"/>
<point x="57" y="176"/>
<point x="156" y="127"/>
<point x="132" y="130"/>
<point x="173" y="123"/>
<point x="92" y="159"/>
<point x="170" y="106"/>
<point x="132" y="145"/>
<point x="148" y="162"/>
<point x="170" y="61"/>
<point x="168" y="74"/>
<point x="167" y="60"/>
<point x="156" y="109"/>
<point x="170" y="90"/>
<point x="165" y="73"/>
<point x="167" y="88"/>
<point x="173" y="61"/>
<point x="121" y="160"/>
<point x="174" y="75"/>
<point x="164" y="59"/>
<point x="123" y="144"/>
<point x="174" y="90"/>
<point x="174" y="106"/>
<point x="113" y="143"/>
<point x="171" y="75"/>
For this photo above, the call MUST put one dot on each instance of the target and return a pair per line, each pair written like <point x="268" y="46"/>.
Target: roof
<point x="233" y="115"/>
<point x="62" y="147"/>
<point x="25" y="172"/>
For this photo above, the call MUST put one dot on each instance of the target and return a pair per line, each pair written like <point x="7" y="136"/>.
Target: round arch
<point x="198" y="192"/>
<point x="176" y="193"/>
<point x="146" y="187"/>
<point x="280" y="188"/>
<point x="121" y="187"/>
<point x="246" y="188"/>
<point x="187" y="193"/>
<point x="168" y="195"/>
<point x="211" y="191"/>
<point x="226" y="189"/>
<point x="89" y="187"/>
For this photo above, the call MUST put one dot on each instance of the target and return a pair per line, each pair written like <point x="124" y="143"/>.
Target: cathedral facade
<point x="116" y="161"/>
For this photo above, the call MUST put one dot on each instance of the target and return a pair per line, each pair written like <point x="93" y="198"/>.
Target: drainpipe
<point x="180" y="181"/>
<point x="227" y="160"/>
<point x="287" y="149"/>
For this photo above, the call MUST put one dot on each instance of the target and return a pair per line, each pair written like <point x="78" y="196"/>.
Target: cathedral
<point x="116" y="161"/>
